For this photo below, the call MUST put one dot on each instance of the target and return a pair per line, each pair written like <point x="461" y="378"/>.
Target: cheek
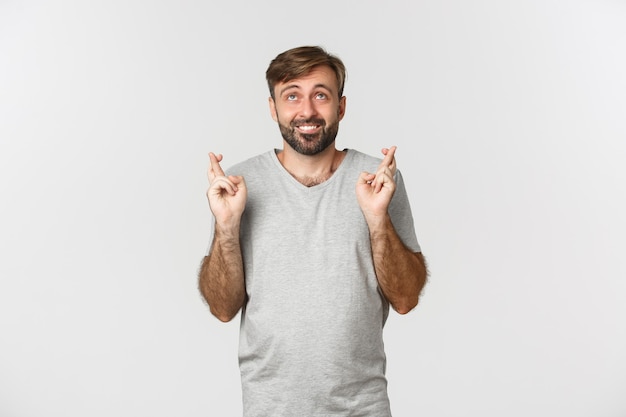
<point x="284" y="114"/>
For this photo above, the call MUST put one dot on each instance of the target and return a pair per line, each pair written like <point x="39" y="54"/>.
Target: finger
<point x="231" y="184"/>
<point x="218" y="156"/>
<point x="383" y="176"/>
<point x="366" y="178"/>
<point x="237" y="181"/>
<point x="215" y="170"/>
<point x="389" y="156"/>
<point x="221" y="185"/>
<point x="389" y="160"/>
<point x="393" y="165"/>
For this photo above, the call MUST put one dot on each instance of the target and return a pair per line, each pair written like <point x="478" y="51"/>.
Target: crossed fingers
<point x="217" y="177"/>
<point x="389" y="160"/>
<point x="215" y="169"/>
<point x="386" y="170"/>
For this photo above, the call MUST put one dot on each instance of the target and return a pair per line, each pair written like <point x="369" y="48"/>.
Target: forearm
<point x="221" y="277"/>
<point x="401" y="273"/>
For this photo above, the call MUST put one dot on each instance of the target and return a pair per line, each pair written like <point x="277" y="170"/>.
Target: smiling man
<point x="312" y="244"/>
<point x="307" y="131"/>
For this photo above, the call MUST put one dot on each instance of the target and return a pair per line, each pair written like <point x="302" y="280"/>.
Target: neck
<point x="311" y="170"/>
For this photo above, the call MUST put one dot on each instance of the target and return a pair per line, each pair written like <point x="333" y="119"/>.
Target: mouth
<point x="308" y="126"/>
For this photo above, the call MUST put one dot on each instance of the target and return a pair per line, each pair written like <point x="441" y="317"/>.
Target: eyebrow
<point x="296" y="86"/>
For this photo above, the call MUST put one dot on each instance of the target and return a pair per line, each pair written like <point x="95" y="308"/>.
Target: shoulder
<point x="361" y="158"/>
<point x="251" y="165"/>
<point x="359" y="161"/>
<point x="362" y="161"/>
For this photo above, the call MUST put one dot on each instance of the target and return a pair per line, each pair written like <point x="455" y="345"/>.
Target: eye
<point x="291" y="97"/>
<point x="320" y="96"/>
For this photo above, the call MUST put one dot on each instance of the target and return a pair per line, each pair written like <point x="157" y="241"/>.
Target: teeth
<point x="307" y="127"/>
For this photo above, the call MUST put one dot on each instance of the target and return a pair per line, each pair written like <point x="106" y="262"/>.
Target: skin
<point x="308" y="111"/>
<point x="221" y="277"/>
<point x="312" y="97"/>
<point x="401" y="273"/>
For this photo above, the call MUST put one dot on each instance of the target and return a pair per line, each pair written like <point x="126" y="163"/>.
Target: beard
<point x="309" y="144"/>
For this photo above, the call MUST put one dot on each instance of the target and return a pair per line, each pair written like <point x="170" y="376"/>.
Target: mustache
<point x="311" y="121"/>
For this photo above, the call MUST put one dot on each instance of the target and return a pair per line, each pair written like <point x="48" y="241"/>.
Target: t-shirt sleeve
<point x="402" y="217"/>
<point x="211" y="233"/>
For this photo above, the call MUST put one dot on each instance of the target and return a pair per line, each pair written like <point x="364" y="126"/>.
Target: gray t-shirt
<point x="311" y="332"/>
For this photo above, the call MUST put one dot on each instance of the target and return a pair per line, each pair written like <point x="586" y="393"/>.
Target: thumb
<point x="365" y="178"/>
<point x="237" y="180"/>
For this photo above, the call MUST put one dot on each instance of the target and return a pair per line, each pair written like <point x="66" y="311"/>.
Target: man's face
<point x="308" y="110"/>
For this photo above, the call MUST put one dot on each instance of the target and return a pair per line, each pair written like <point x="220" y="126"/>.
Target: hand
<point x="374" y="191"/>
<point x="226" y="194"/>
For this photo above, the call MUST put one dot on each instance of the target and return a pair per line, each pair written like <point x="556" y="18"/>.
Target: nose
<point x="307" y="109"/>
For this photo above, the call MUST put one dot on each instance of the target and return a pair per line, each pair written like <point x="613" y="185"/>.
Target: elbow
<point x="226" y="312"/>
<point x="406" y="306"/>
<point x="403" y="310"/>
<point x="411" y="298"/>
<point x="224" y="316"/>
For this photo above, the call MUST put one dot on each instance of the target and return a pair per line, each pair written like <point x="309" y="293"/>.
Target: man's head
<point x="306" y="88"/>
<point x="297" y="62"/>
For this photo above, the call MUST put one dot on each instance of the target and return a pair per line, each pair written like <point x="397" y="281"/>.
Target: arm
<point x="401" y="273"/>
<point x="221" y="278"/>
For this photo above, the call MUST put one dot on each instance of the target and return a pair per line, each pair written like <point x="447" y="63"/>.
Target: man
<point x="313" y="244"/>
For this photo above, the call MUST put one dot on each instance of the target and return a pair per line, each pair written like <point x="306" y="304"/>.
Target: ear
<point x="273" y="109"/>
<point x="342" y="108"/>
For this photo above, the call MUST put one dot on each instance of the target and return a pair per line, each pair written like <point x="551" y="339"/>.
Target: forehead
<point x="320" y="76"/>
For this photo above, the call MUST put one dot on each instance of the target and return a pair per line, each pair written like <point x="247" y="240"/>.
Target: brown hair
<point x="300" y="61"/>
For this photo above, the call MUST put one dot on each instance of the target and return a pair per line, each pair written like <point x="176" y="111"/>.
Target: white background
<point x="510" y="122"/>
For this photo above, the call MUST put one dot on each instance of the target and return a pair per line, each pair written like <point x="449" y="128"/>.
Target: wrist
<point x="378" y="224"/>
<point x="227" y="232"/>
